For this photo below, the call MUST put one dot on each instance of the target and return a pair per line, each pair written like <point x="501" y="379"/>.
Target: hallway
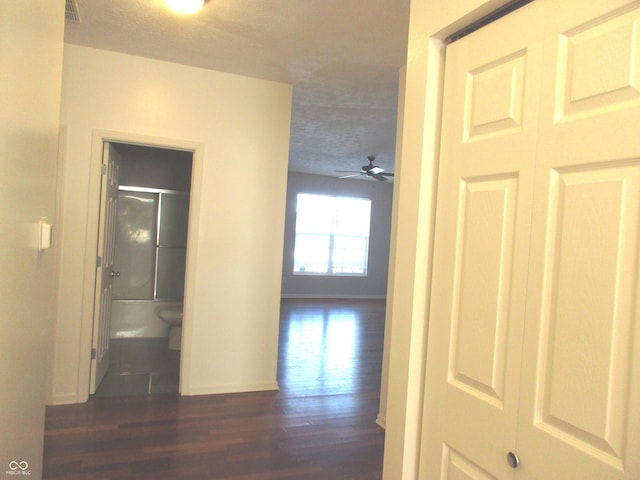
<point x="320" y="425"/>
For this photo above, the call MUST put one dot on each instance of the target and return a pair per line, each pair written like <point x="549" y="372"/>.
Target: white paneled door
<point x="580" y="408"/>
<point x="105" y="273"/>
<point x="533" y="367"/>
<point x="490" y="113"/>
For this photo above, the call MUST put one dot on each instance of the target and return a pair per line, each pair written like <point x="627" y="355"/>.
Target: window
<point x="332" y="235"/>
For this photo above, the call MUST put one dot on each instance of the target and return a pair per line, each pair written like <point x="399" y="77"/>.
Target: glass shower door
<point x="171" y="248"/>
<point x="135" y="254"/>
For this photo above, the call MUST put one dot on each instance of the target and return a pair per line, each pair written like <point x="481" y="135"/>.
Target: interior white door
<point x="580" y="409"/>
<point x="485" y="184"/>
<point x="534" y="334"/>
<point x="104" y="266"/>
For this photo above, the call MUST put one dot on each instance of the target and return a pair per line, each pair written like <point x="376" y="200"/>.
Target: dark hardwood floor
<point x="319" y="425"/>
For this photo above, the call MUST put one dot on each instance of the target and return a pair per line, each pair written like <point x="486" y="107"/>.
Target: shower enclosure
<point x="151" y="239"/>
<point x="151" y="244"/>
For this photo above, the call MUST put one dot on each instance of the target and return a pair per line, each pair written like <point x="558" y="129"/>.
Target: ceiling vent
<point x="71" y="11"/>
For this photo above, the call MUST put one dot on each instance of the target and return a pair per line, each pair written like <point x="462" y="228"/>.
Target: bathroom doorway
<point x="140" y="320"/>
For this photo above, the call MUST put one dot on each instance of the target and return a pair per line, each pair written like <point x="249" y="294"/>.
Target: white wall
<point x="31" y="35"/>
<point x="412" y="234"/>
<point x="374" y="285"/>
<point x="239" y="130"/>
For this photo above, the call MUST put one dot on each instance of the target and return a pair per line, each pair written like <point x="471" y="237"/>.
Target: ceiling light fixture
<point x="185" y="6"/>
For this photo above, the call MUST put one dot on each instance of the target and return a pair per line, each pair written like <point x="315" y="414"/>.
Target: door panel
<point x="104" y="271"/>
<point x="581" y="361"/>
<point x="586" y="319"/>
<point x="494" y="97"/>
<point x="456" y="466"/>
<point x="597" y="61"/>
<point x="477" y="358"/>
<point x="485" y="185"/>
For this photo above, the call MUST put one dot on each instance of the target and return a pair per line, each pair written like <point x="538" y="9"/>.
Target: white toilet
<point x="172" y="316"/>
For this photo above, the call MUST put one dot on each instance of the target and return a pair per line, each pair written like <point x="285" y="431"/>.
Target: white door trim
<point x="91" y="242"/>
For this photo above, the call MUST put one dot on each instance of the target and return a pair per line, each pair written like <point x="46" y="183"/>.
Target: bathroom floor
<point x="140" y="366"/>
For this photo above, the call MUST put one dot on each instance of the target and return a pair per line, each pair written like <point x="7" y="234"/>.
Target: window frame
<point x="332" y="235"/>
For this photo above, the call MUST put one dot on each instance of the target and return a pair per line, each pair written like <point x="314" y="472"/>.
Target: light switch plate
<point x="46" y="234"/>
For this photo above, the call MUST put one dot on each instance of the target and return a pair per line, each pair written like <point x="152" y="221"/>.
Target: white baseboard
<point x="63" y="399"/>
<point x="337" y="296"/>
<point x="232" y="388"/>
<point x="381" y="420"/>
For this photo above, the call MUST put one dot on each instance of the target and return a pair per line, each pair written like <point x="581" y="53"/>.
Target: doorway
<point x="141" y="320"/>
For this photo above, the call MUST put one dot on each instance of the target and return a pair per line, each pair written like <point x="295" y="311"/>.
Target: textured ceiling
<point x="341" y="56"/>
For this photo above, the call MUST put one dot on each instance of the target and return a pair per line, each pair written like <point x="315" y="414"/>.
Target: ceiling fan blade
<point x="379" y="177"/>
<point x="354" y="175"/>
<point x="348" y="171"/>
<point x="386" y="174"/>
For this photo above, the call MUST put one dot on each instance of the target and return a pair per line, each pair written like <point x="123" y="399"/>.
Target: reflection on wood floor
<point x="320" y="425"/>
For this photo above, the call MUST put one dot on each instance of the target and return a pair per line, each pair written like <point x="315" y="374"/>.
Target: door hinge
<point x="93" y="354"/>
<point x="99" y="261"/>
<point x="104" y="169"/>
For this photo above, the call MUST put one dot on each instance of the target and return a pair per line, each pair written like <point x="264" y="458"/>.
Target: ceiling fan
<point x="370" y="170"/>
